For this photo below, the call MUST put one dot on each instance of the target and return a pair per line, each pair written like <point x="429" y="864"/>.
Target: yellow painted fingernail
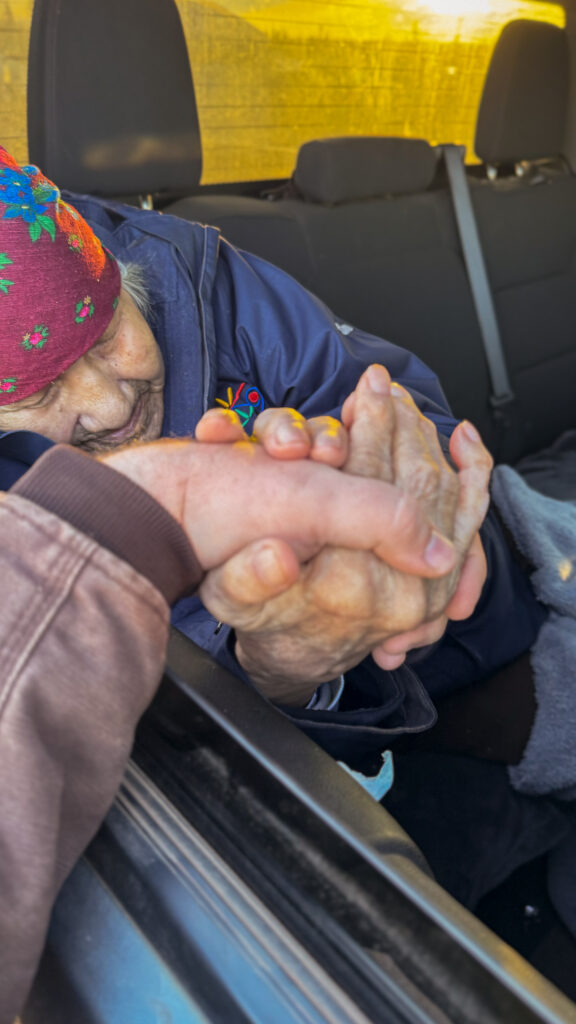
<point x="290" y="431"/>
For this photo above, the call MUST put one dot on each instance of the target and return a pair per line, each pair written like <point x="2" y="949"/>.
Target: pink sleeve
<point x="82" y="642"/>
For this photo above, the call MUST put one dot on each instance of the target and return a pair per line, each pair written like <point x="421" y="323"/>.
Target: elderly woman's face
<point x="108" y="397"/>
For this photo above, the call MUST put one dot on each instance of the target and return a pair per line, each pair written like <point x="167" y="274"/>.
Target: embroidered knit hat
<point x="59" y="287"/>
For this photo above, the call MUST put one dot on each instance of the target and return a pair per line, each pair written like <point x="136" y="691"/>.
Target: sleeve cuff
<point x="115" y="512"/>
<point x="327" y="696"/>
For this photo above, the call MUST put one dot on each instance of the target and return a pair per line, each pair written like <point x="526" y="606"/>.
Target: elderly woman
<point x="99" y="350"/>
<point x="99" y="353"/>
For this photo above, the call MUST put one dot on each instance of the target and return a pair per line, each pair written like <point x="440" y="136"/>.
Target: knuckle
<point x="429" y="429"/>
<point x="483" y="459"/>
<point x="365" y="457"/>
<point x="228" y="589"/>
<point x="488" y="460"/>
<point x="450" y="482"/>
<point x="406" y="407"/>
<point x="341" y="587"/>
<point x="406" y="520"/>
<point x="426" y="478"/>
<point x="439" y="593"/>
<point x="410" y="608"/>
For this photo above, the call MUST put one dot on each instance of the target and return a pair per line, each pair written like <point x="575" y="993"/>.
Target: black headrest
<point x="363" y="167"/>
<point x="111" y="107"/>
<point x="523" y="109"/>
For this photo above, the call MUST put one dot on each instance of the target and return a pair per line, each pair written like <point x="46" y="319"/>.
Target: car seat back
<point x="387" y="256"/>
<point x="527" y="223"/>
<point x="110" y="111"/>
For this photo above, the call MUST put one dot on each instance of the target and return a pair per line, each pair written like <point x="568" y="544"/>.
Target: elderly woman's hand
<point x="284" y="434"/>
<point x="348" y="603"/>
<point x="416" y="461"/>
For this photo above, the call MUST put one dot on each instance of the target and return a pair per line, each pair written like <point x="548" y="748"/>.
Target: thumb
<point x="256" y="574"/>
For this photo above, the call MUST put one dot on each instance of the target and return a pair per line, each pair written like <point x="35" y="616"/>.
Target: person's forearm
<point x="83" y="636"/>
<point x="116" y="512"/>
<point x="227" y="496"/>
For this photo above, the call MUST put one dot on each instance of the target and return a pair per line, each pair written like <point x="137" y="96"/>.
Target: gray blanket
<point x="545" y="532"/>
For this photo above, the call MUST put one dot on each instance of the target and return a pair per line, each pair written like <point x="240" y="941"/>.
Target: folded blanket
<point x="545" y="531"/>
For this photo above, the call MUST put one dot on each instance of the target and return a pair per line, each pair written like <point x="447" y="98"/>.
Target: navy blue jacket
<point x="236" y="329"/>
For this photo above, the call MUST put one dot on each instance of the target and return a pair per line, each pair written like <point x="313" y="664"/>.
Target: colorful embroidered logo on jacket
<point x="247" y="402"/>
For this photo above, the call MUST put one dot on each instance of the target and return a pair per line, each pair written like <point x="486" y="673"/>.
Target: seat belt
<point x="502" y="394"/>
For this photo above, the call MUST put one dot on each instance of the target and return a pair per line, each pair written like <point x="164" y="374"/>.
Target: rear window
<point x="15" y="19"/>
<point x="272" y="75"/>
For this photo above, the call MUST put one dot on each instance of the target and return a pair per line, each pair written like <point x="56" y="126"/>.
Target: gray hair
<point x="134" y="282"/>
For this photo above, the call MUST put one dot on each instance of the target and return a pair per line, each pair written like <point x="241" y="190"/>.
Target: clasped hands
<point x="300" y="622"/>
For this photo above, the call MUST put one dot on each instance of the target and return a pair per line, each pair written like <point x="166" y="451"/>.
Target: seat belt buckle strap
<point x="501" y="401"/>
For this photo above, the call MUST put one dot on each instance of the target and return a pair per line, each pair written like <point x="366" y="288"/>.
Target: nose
<point x="101" y="401"/>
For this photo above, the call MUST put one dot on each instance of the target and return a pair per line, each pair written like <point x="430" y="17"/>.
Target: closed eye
<point x="37" y="400"/>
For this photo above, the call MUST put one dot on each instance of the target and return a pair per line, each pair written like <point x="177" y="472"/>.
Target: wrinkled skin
<point x="112" y="395"/>
<point x="345" y="604"/>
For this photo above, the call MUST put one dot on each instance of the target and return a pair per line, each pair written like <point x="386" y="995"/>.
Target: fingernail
<point x="290" y="431"/>
<point x="268" y="566"/>
<point x="440" y="553"/>
<point x="470" y="431"/>
<point x="378" y="379"/>
<point x="331" y="436"/>
<point x="397" y="391"/>
<point x="226" y="414"/>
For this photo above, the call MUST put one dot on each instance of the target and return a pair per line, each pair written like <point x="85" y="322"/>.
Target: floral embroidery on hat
<point x="115" y="302"/>
<point x="75" y="243"/>
<point x="84" y="310"/>
<point x="246" y="402"/>
<point x="5" y="261"/>
<point x="54" y="275"/>
<point x="27" y="200"/>
<point x="90" y="252"/>
<point x="37" y="338"/>
<point x="44" y="191"/>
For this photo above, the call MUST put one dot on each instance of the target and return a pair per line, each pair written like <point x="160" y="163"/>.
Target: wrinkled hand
<point x="474" y="466"/>
<point x="227" y="496"/>
<point x="284" y="434"/>
<point x="287" y="435"/>
<point x="348" y="603"/>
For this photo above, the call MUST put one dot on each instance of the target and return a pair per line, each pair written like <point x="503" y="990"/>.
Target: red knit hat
<point x="59" y="287"/>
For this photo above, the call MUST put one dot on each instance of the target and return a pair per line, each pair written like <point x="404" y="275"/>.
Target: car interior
<point x="241" y="873"/>
<point x="368" y="224"/>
